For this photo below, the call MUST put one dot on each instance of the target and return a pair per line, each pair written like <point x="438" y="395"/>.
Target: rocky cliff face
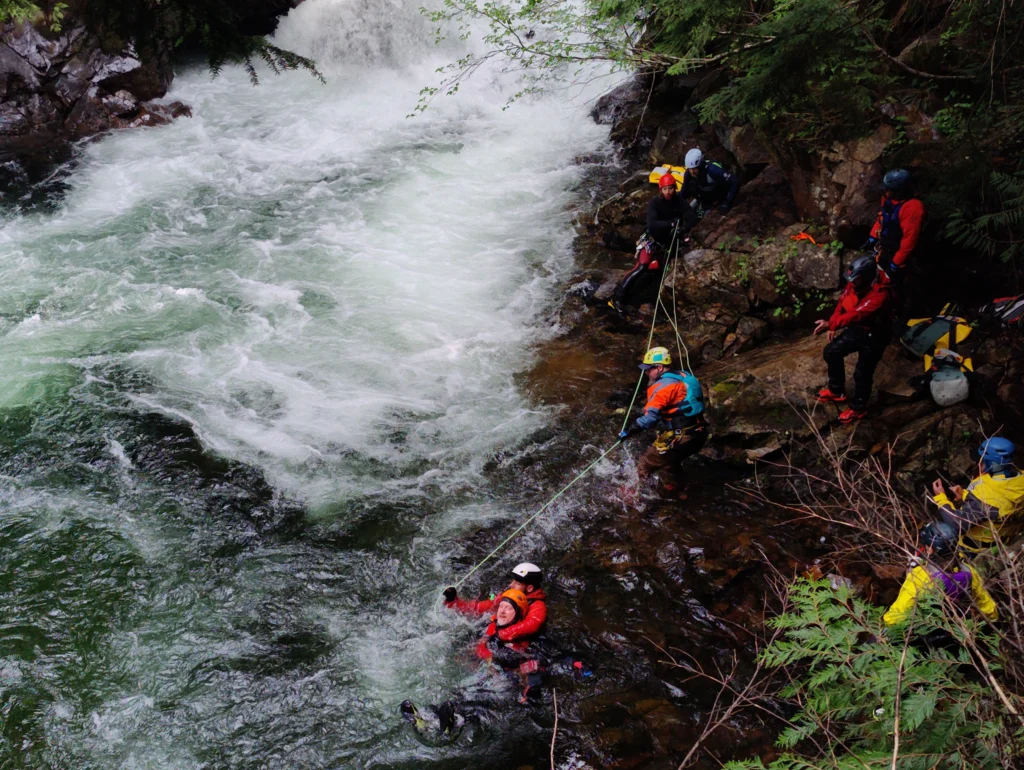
<point x="748" y="286"/>
<point x="68" y="87"/>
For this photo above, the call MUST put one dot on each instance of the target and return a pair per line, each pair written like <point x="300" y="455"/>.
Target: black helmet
<point x="897" y="180"/>
<point x="861" y="266"/>
<point x="940" y="535"/>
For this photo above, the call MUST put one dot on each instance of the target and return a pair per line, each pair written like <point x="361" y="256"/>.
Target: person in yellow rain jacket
<point x="993" y="504"/>
<point x="940" y="570"/>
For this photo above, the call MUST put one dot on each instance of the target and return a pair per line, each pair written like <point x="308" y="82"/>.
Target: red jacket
<point x="866" y="311"/>
<point x="902" y="242"/>
<point x="531" y="625"/>
<point x="484" y="652"/>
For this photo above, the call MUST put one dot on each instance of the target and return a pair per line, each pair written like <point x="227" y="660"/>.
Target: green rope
<point x="530" y="520"/>
<point x="585" y="471"/>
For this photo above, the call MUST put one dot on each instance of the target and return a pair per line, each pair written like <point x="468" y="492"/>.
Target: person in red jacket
<point x="509" y="610"/>
<point x="525" y="577"/>
<point x="862" y="324"/>
<point x="898" y="226"/>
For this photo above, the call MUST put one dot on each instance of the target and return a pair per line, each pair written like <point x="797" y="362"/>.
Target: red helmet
<point x="666" y="180"/>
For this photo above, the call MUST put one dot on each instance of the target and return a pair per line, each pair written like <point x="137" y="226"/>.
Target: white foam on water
<point x="322" y="288"/>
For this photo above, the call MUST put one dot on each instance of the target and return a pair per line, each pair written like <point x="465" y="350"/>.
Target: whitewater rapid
<point x="323" y="290"/>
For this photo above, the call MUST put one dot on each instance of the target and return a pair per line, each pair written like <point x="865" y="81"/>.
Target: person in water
<point x="504" y="649"/>
<point x="675" y="406"/>
<point x="668" y="219"/>
<point x="938" y="570"/>
<point x="526" y="577"/>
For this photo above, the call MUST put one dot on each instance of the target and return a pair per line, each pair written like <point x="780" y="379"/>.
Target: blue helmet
<point x="996" y="452"/>
<point x="897" y="180"/>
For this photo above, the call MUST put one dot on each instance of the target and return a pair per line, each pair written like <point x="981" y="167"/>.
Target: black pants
<point x="869" y="347"/>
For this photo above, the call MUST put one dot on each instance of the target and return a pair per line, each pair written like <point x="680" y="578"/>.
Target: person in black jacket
<point x="708" y="184"/>
<point x="668" y="217"/>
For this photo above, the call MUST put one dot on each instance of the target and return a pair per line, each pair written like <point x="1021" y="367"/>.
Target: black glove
<point x="450" y="593"/>
<point x="724" y="209"/>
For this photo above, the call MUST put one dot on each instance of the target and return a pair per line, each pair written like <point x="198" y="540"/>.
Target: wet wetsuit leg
<point x="630" y="281"/>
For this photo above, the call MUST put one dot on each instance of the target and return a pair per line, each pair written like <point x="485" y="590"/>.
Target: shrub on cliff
<point x="864" y="700"/>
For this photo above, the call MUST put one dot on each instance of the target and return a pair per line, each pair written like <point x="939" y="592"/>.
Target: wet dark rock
<point x="56" y="89"/>
<point x="605" y="291"/>
<point x="674" y="138"/>
<point x="764" y="205"/>
<point x="744" y="145"/>
<point x="711" y="277"/>
<point x="622" y="99"/>
<point x="842" y="187"/>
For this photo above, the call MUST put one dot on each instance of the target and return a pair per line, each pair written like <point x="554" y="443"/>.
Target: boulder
<point x="121" y="104"/>
<point x="761" y="401"/>
<point x="709" y="277"/>
<point x="744" y="145"/>
<point x="812" y="267"/>
<point x="840" y="188"/>
<point x="763" y="204"/>
<point x="673" y="139"/>
<point x="69" y="87"/>
<point x="89" y="116"/>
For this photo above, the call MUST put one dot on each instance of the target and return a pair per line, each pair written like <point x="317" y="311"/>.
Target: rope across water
<point x="680" y="345"/>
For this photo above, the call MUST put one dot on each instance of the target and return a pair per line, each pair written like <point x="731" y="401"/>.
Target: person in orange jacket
<point x="898" y="226"/>
<point x="862" y="324"/>
<point x="517" y="620"/>
<point x="525" y="577"/>
<point x="509" y="610"/>
<point x="675" y="408"/>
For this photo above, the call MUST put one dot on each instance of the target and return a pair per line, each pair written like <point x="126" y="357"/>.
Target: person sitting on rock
<point x="862" y="324"/>
<point x="898" y="226"/>
<point x="708" y="184"/>
<point x="525" y="577"/>
<point x="669" y="219"/>
<point x="675" y="406"/>
<point x="991" y="506"/>
<point x="938" y="568"/>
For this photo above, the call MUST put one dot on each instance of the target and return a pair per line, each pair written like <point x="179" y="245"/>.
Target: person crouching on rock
<point x="862" y="324"/>
<point x="675" y="407"/>
<point x="668" y="220"/>
<point x="708" y="184"/>
<point x="938" y="569"/>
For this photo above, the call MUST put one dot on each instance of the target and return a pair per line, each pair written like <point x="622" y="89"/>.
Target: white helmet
<point x="527" y="573"/>
<point x="694" y="158"/>
<point x="949" y="386"/>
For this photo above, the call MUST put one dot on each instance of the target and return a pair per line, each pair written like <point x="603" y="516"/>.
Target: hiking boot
<point x="617" y="306"/>
<point x="852" y="414"/>
<point x="827" y="396"/>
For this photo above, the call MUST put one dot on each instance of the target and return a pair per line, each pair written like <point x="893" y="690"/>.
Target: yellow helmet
<point x="656" y="357"/>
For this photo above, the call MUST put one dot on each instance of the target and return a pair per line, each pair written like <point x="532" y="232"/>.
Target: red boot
<point x="852" y="414"/>
<point x="827" y="396"/>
